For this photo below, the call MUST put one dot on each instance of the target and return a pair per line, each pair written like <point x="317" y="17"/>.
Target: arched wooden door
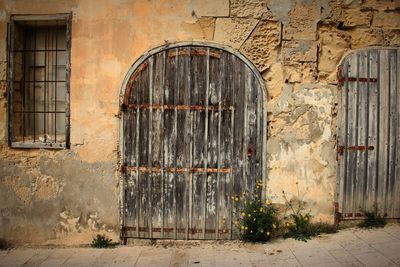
<point x="193" y="136"/>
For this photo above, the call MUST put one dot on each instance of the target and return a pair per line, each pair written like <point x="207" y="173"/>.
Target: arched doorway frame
<point x="134" y="67"/>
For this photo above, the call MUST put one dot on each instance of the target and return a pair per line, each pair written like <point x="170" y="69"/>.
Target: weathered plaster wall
<point x="68" y="196"/>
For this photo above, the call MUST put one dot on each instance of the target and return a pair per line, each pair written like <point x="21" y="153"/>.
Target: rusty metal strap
<point x="341" y="149"/>
<point x="171" y="230"/>
<point x="125" y="168"/>
<point x="194" y="52"/>
<point x="179" y="107"/>
<point x="355" y="79"/>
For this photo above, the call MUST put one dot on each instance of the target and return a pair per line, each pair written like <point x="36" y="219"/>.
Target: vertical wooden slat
<point x="149" y="157"/>
<point x="373" y="130"/>
<point x="169" y="145"/>
<point x="383" y="128"/>
<point x="356" y="153"/>
<point x="218" y="189"/>
<point x="206" y="140"/>
<point x="397" y="148"/>
<point x="365" y="120"/>
<point x="348" y="112"/>
<point x="187" y="141"/>
<point x="393" y="113"/>
<point x="138" y="193"/>
<point x="231" y="154"/>
<point x="162" y="89"/>
<point x="174" y="141"/>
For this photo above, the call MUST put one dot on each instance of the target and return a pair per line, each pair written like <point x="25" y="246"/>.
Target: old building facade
<point x="70" y="70"/>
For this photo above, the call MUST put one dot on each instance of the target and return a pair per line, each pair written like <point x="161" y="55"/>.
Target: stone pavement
<point x="350" y="247"/>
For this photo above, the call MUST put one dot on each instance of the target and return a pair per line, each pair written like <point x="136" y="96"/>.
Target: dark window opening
<point x="39" y="81"/>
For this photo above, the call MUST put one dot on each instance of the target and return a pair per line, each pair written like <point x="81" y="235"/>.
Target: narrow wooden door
<point x="193" y="127"/>
<point x="369" y="133"/>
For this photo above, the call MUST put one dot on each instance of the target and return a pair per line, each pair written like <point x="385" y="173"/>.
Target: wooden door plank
<point x="362" y="128"/>
<point x="392" y="131"/>
<point x="383" y="127"/>
<point x="370" y="191"/>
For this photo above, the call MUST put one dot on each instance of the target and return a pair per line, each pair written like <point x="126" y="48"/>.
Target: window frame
<point x="66" y="19"/>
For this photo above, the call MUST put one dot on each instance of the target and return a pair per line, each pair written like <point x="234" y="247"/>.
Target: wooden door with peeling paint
<point x="193" y="136"/>
<point x="369" y="133"/>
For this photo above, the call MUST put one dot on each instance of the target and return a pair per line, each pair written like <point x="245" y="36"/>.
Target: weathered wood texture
<point x="193" y="123"/>
<point x="369" y="133"/>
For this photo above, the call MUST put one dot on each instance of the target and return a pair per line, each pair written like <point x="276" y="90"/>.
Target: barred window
<point x="39" y="70"/>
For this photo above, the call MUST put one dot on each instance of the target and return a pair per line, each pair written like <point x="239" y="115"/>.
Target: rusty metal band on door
<point x="369" y="133"/>
<point x="192" y="138"/>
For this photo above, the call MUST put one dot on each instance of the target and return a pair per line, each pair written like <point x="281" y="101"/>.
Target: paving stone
<point x="58" y="257"/>
<point x="121" y="257"/>
<point x="390" y="250"/>
<point x="374" y="236"/>
<point x="345" y="258"/>
<point x="40" y="256"/>
<point x="374" y="259"/>
<point x="16" y="257"/>
<point x="313" y="256"/>
<point x="83" y="257"/>
<point x="154" y="257"/>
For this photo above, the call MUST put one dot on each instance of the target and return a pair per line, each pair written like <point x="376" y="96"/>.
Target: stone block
<point x="3" y="70"/>
<point x="310" y="72"/>
<point x="391" y="37"/>
<point x="365" y="37"/>
<point x="248" y="8"/>
<point x="387" y="20"/>
<point x="262" y="45"/>
<point x="233" y="31"/>
<point x="356" y="17"/>
<point x="303" y="19"/>
<point x="333" y="44"/>
<point x="211" y="8"/>
<point x="381" y="4"/>
<point x="293" y="72"/>
<point x="274" y="78"/>
<point x="300" y="51"/>
<point x="203" y="28"/>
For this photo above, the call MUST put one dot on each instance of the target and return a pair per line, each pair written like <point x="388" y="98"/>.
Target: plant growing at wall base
<point x="101" y="241"/>
<point x="298" y="223"/>
<point x="258" y="220"/>
<point x="374" y="219"/>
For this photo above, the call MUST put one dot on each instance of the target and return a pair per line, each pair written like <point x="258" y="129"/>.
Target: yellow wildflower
<point x="236" y="199"/>
<point x="273" y="226"/>
<point x="242" y="227"/>
<point x="268" y="233"/>
<point x="261" y="209"/>
<point x="246" y="228"/>
<point x="249" y="215"/>
<point x="251" y="231"/>
<point x="243" y="214"/>
<point x="254" y="219"/>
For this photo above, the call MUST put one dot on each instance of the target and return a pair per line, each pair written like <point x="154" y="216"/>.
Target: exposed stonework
<point x="262" y="45"/>
<point x="300" y="51"/>
<point x="334" y="44"/>
<point x="233" y="32"/>
<point x="203" y="28"/>
<point x="391" y="37"/>
<point x="248" y="8"/>
<point x="353" y="18"/>
<point x="218" y="8"/>
<point x="365" y="37"/>
<point x="387" y="19"/>
<point x="304" y="17"/>
<point x="300" y="134"/>
<point x="274" y="79"/>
